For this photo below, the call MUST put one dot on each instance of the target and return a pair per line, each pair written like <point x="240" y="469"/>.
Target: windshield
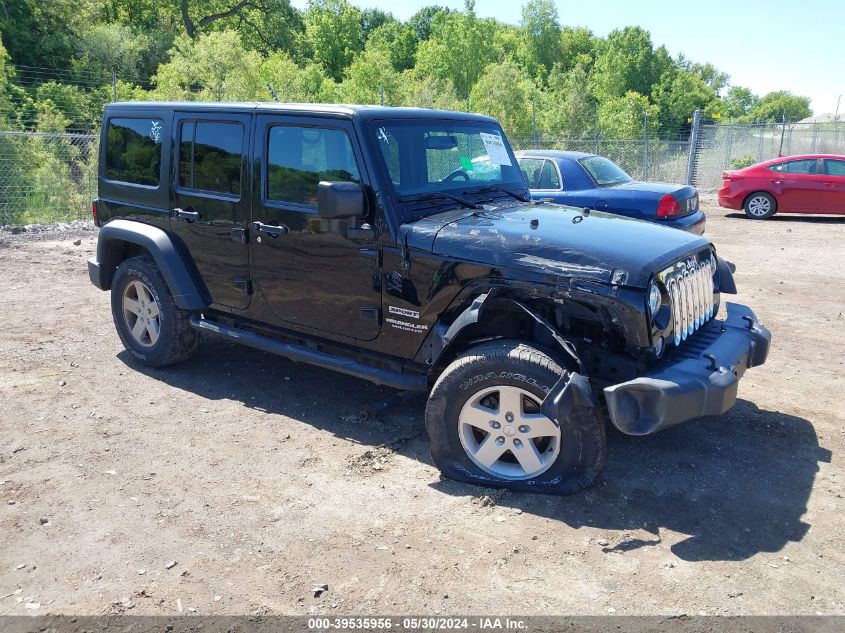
<point x="429" y="156"/>
<point x="604" y="172"/>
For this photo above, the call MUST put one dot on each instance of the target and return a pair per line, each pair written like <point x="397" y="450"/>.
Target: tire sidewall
<point x="454" y="389"/>
<point x="137" y="269"/>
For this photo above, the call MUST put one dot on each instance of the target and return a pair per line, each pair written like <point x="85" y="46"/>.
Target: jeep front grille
<point x="690" y="287"/>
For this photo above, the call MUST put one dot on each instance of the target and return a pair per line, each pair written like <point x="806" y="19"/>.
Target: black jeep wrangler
<point x="401" y="246"/>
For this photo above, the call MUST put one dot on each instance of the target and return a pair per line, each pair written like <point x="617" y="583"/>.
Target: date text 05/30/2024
<point x="414" y="624"/>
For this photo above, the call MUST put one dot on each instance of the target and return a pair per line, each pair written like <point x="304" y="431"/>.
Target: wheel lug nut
<point x="509" y="416"/>
<point x="524" y="428"/>
<point x="517" y="443"/>
<point x="495" y="424"/>
<point x="500" y="440"/>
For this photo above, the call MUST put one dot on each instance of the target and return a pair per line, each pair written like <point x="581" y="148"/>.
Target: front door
<point x="209" y="212"/>
<point x="317" y="274"/>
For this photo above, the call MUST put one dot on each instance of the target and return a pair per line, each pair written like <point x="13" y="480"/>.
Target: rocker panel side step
<point x="298" y="353"/>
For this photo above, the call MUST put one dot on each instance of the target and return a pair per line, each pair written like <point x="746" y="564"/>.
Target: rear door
<point x="209" y="208"/>
<point x="833" y="183"/>
<point x="799" y="185"/>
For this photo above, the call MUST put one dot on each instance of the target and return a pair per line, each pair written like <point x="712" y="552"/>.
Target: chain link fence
<point x="46" y="177"/>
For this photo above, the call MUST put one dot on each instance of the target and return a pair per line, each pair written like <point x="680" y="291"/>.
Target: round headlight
<point x="654" y="298"/>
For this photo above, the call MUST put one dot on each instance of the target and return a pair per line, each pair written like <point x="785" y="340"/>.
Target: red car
<point x="814" y="183"/>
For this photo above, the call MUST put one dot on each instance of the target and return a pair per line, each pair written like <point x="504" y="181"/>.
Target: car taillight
<point x="728" y="176"/>
<point x="668" y="207"/>
<point x="94" y="213"/>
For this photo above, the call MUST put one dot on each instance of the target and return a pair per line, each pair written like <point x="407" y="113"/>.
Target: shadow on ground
<point x="737" y="485"/>
<point x="796" y="218"/>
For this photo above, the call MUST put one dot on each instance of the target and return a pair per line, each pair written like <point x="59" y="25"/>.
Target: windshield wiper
<point x="513" y="194"/>
<point x="441" y="194"/>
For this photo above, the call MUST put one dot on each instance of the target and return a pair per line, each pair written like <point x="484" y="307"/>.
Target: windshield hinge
<point x="405" y="262"/>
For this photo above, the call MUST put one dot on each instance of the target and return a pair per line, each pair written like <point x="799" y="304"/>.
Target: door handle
<point x="830" y="184"/>
<point x="269" y="229"/>
<point x="188" y="214"/>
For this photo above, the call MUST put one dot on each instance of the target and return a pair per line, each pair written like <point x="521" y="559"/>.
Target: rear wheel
<point x="483" y="417"/>
<point x="760" y="206"/>
<point x="150" y="324"/>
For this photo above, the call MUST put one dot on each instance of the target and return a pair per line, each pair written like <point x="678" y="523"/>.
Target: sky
<point x="764" y="45"/>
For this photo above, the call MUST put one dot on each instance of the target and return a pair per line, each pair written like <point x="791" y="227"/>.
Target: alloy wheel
<point x="141" y="313"/>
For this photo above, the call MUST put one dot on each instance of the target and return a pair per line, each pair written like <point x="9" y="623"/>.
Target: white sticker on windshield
<point x="495" y="147"/>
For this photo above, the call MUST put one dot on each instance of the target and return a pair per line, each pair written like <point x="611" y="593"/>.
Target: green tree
<point x="425" y="91"/>
<point x="578" y="45"/>
<point x="780" y="105"/>
<point x="504" y="92"/>
<point x="43" y="34"/>
<point x="421" y="20"/>
<point x="622" y="117"/>
<point x="292" y="83"/>
<point x="373" y="18"/>
<point x="398" y="42"/>
<point x="626" y="62"/>
<point x="212" y="67"/>
<point x="368" y="74"/>
<point x="541" y="41"/>
<point x="737" y="102"/>
<point x="334" y="34"/>
<point x="459" y="48"/>
<point x="567" y="108"/>
<point x="108" y="48"/>
<point x="678" y="94"/>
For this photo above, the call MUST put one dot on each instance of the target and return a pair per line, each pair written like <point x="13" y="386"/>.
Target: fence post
<point x="645" y="145"/>
<point x="596" y="131"/>
<point x="760" y="146"/>
<point x="534" y="139"/>
<point x="730" y="145"/>
<point x="815" y="135"/>
<point x="695" y="131"/>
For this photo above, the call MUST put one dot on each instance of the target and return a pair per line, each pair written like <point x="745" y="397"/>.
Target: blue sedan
<point x="587" y="180"/>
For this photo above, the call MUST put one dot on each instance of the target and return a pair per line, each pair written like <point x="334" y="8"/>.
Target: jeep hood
<point x="556" y="240"/>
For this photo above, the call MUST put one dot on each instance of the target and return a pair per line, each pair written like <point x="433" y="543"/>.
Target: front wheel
<point x="484" y="421"/>
<point x="760" y="206"/>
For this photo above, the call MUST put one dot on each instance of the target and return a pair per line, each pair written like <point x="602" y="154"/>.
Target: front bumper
<point x="700" y="378"/>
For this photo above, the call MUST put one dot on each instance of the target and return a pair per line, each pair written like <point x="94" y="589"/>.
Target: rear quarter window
<point x="133" y="151"/>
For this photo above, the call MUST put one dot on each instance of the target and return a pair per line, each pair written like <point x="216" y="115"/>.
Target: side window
<point x="133" y="151"/>
<point x="298" y="158"/>
<point x="834" y="167"/>
<point x="531" y="168"/>
<point x="210" y="156"/>
<point x="796" y="167"/>
<point x="549" y="178"/>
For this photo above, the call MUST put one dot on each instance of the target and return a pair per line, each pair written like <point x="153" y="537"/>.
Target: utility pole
<point x="596" y="130"/>
<point x="381" y="94"/>
<point x="534" y="139"/>
<point x="114" y="85"/>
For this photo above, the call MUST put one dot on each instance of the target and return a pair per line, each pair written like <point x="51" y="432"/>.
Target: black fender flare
<point x="726" y="270"/>
<point x="158" y="243"/>
<point x="471" y="315"/>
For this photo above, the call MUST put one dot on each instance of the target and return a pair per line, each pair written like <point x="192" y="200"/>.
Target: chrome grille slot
<point x="690" y="287"/>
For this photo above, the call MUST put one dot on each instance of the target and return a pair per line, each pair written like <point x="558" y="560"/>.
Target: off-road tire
<point x="177" y="340"/>
<point x="760" y="205"/>
<point x="582" y="450"/>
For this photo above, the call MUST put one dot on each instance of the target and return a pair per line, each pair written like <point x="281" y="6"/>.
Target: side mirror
<point x="339" y="200"/>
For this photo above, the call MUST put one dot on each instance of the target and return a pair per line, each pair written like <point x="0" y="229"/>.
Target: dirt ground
<point x="238" y="481"/>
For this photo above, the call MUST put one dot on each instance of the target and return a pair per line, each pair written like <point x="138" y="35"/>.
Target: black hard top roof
<point x="364" y="112"/>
